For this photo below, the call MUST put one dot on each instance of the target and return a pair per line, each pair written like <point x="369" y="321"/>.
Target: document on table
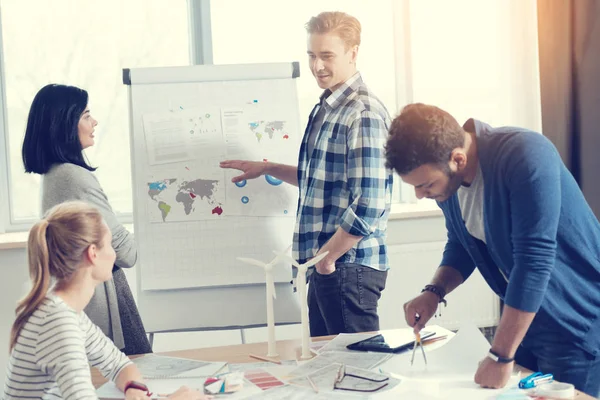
<point x="155" y="366"/>
<point x="167" y="386"/>
<point x="456" y="360"/>
<point x="357" y="380"/>
<point x="292" y="392"/>
<point x="364" y="360"/>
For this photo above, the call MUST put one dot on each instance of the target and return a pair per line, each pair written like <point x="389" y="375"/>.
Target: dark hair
<point x="422" y="134"/>
<point x="52" y="136"/>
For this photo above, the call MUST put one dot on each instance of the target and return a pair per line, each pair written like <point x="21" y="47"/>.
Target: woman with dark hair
<point x="59" y="128"/>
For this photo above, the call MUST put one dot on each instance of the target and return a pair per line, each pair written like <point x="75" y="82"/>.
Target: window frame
<point x="201" y="52"/>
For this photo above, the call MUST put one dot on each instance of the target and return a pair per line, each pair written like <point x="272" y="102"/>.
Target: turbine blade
<point x="294" y="262"/>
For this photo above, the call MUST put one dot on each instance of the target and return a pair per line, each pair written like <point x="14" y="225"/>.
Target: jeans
<point x="345" y="301"/>
<point x="551" y="354"/>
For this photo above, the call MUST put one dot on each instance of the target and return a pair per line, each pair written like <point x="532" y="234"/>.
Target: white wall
<point x="415" y="247"/>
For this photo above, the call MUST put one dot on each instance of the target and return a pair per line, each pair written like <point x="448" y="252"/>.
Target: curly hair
<point x="422" y="134"/>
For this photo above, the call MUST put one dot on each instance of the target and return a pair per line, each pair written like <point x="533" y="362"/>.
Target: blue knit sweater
<point x="543" y="240"/>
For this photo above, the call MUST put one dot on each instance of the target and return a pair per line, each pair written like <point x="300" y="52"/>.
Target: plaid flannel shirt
<point x="344" y="182"/>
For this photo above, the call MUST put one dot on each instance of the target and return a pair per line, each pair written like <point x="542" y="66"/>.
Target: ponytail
<point x="55" y="249"/>
<point x="39" y="272"/>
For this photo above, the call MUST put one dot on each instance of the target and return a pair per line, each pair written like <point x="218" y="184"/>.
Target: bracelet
<point x="498" y="358"/>
<point x="438" y="290"/>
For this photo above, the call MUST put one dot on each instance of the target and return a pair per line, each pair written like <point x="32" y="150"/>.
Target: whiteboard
<point x="187" y="273"/>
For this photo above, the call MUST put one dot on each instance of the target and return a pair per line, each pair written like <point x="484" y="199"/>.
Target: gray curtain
<point x="569" y="47"/>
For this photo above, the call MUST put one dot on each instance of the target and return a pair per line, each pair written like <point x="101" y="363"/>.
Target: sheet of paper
<point x="324" y="380"/>
<point x="265" y="365"/>
<point x="260" y="134"/>
<point x="342" y="340"/>
<point x="155" y="366"/>
<point x="292" y="392"/>
<point x="365" y="360"/>
<point x="167" y="386"/>
<point x="183" y="135"/>
<point x="315" y="347"/>
<point x="456" y="360"/>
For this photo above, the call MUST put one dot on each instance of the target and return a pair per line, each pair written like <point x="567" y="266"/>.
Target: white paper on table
<point x="292" y="392"/>
<point x="342" y="340"/>
<point x="324" y="380"/>
<point x="154" y="366"/>
<point x="167" y="386"/>
<point x="260" y="365"/>
<point x="364" y="360"/>
<point x="457" y="360"/>
<point x="316" y="347"/>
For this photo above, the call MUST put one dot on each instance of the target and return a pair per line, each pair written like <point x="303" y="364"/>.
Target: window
<point x="273" y="31"/>
<point x="85" y="44"/>
<point x="473" y="58"/>
<point x="479" y="60"/>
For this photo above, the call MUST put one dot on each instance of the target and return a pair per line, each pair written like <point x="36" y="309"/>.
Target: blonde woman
<point x="53" y="342"/>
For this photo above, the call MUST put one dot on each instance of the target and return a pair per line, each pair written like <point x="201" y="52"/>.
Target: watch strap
<point x="498" y="358"/>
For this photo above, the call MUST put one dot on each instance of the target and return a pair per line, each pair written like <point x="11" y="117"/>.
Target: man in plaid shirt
<point x="345" y="190"/>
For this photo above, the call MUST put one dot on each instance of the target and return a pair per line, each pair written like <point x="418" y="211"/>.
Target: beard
<point x="454" y="182"/>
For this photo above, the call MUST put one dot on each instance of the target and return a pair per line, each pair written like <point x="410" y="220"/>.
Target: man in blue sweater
<point x="515" y="212"/>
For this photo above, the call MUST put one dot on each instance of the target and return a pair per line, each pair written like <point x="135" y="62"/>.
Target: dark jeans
<point x="551" y="354"/>
<point x="345" y="301"/>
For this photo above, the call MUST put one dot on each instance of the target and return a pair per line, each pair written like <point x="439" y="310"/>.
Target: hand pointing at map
<point x="254" y="169"/>
<point x="250" y="169"/>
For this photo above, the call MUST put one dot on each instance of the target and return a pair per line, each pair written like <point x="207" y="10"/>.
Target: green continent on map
<point x="164" y="209"/>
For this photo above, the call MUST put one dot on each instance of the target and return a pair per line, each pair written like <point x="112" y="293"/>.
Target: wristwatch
<point x="498" y="358"/>
<point x="437" y="290"/>
<point x="137" y="385"/>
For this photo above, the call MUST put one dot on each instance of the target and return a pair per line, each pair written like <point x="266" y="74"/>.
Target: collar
<point x="336" y="98"/>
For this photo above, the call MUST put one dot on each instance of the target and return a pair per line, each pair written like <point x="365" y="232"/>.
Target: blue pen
<point x="534" y="380"/>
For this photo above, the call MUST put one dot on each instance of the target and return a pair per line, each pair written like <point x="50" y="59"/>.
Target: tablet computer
<point x="389" y="342"/>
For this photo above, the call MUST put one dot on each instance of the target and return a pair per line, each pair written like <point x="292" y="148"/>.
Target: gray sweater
<point x="66" y="182"/>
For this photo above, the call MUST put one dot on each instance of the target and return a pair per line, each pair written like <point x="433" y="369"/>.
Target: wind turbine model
<point x="301" y="282"/>
<point x="270" y="286"/>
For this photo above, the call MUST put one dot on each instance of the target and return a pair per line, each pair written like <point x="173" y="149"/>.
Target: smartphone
<point x="389" y="342"/>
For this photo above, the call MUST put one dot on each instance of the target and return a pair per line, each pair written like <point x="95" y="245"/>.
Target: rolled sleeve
<point x="367" y="175"/>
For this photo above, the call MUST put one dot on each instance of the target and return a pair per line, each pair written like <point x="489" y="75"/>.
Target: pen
<point x="433" y="340"/>
<point x="340" y="374"/>
<point x="264" y="359"/>
<point x="315" y="388"/>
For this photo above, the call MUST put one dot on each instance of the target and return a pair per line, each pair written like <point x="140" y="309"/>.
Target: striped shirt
<point x="344" y="182"/>
<point x="53" y="353"/>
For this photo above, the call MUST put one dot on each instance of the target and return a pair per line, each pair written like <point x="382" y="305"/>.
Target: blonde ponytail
<point x="54" y="250"/>
<point x="39" y="272"/>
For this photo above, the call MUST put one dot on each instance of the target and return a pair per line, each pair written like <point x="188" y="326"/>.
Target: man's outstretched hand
<point x="250" y="169"/>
